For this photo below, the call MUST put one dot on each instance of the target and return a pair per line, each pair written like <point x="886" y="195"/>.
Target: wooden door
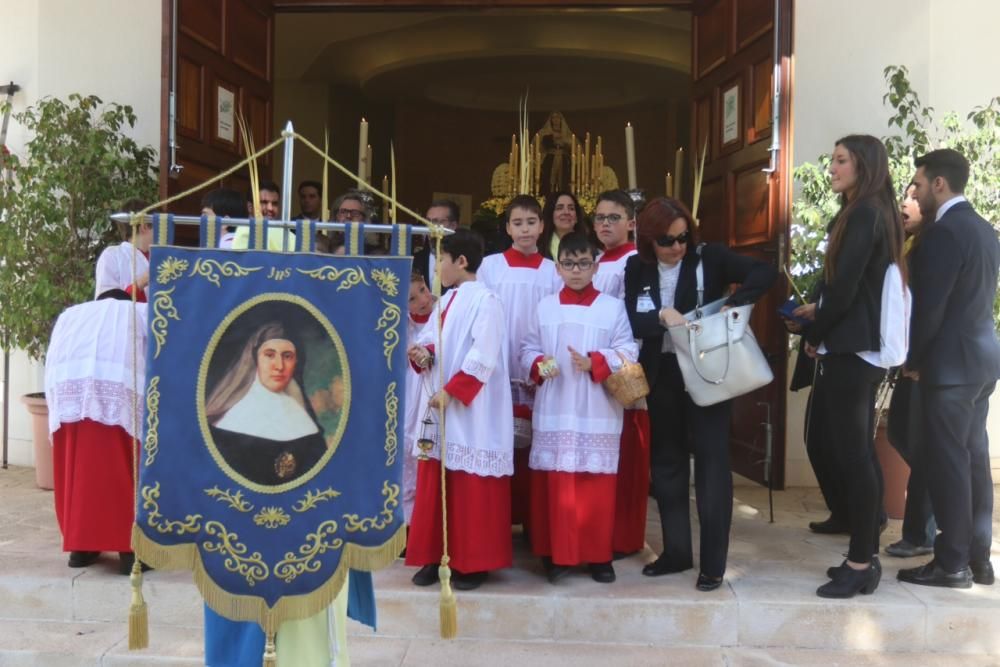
<point x="742" y="204"/>
<point x="224" y="64"/>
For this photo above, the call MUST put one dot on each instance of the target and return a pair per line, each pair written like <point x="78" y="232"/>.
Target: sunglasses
<point x="667" y="241"/>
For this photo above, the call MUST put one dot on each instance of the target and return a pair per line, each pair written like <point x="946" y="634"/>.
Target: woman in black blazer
<point x="660" y="284"/>
<point x="844" y="335"/>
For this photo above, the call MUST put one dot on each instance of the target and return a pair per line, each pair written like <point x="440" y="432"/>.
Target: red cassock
<point x="478" y="520"/>
<point x="572" y="516"/>
<point x="95" y="504"/>
<point x="632" y="492"/>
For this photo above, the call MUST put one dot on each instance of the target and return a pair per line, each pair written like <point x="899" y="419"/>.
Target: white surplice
<point x="610" y="278"/>
<point x="576" y="423"/>
<point x="480" y="436"/>
<point x="416" y="407"/>
<point x="114" y="267"/>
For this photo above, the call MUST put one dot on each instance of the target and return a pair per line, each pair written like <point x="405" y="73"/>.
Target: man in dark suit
<point x="955" y="355"/>
<point x="442" y="212"/>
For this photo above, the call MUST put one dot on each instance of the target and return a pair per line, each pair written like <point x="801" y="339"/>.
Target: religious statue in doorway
<point x="557" y="144"/>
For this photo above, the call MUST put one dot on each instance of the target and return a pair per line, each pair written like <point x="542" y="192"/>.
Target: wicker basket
<point x="628" y="384"/>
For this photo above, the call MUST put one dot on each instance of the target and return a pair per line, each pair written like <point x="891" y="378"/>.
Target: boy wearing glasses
<point x="521" y="278"/>
<point x="614" y="220"/>
<point x="577" y="339"/>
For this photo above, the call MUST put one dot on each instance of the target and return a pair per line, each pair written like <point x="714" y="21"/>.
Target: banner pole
<point x="286" y="180"/>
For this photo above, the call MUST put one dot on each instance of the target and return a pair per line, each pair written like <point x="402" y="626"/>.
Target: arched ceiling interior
<point x="487" y="59"/>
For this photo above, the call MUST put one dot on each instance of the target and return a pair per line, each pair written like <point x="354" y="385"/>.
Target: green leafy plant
<point x="914" y="129"/>
<point x="78" y="166"/>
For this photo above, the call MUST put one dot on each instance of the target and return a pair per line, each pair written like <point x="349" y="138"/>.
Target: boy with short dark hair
<point x="521" y="278"/>
<point x="578" y="338"/>
<point x="478" y="429"/>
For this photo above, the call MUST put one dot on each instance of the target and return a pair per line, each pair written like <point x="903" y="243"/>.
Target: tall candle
<point x="385" y="197"/>
<point x="679" y="173"/>
<point x="362" y="151"/>
<point x="572" y="168"/>
<point x="392" y="168"/>
<point x="324" y="206"/>
<point x="586" y="159"/>
<point x="630" y="155"/>
<point x="368" y="164"/>
<point x="670" y="184"/>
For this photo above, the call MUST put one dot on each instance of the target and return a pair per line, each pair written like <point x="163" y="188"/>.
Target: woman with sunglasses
<point x="660" y="284"/>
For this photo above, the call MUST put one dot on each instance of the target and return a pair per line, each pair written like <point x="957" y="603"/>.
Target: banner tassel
<point x="449" y="607"/>
<point x="270" y="654"/>
<point x="138" y="614"/>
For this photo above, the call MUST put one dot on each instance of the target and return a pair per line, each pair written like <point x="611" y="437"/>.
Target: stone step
<point x="69" y="644"/>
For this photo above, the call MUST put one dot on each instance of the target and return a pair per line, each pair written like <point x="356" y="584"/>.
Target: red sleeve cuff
<point x="536" y="375"/>
<point x="463" y="386"/>
<point x="418" y="369"/>
<point x="140" y="297"/>
<point x="599" y="369"/>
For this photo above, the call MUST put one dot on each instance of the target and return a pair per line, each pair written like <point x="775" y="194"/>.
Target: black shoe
<point x="707" y="583"/>
<point x="834" y="572"/>
<point x="554" y="572"/>
<point x="619" y="555"/>
<point x="850" y="582"/>
<point x="426" y="575"/>
<point x="467" y="582"/>
<point x="662" y="566"/>
<point x="602" y="573"/>
<point x="982" y="572"/>
<point x="932" y="574"/>
<point x="83" y="558"/>
<point x="831" y="526"/>
<point x="126" y="559"/>
<point x="904" y="549"/>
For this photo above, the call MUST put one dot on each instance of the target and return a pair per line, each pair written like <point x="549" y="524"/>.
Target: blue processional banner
<point x="272" y="449"/>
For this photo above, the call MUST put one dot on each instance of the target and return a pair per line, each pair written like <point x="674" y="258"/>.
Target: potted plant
<point x="79" y="165"/>
<point x="977" y="136"/>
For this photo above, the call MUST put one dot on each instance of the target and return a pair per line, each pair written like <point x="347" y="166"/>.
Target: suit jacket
<point x="954" y="270"/>
<point x="849" y="319"/>
<point x="721" y="266"/>
<point x="422" y="263"/>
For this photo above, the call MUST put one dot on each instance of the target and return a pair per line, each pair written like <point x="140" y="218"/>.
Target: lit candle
<point x="670" y="184"/>
<point x="679" y="173"/>
<point x="362" y="150"/>
<point x="630" y="155"/>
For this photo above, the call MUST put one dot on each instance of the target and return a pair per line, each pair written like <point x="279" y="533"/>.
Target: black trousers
<point x="906" y="436"/>
<point x="961" y="485"/>
<point x="842" y="427"/>
<point x="679" y="428"/>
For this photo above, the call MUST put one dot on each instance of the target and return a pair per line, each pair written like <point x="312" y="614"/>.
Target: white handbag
<point x="717" y="352"/>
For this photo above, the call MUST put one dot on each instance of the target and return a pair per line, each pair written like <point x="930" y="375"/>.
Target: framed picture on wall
<point x="730" y="108"/>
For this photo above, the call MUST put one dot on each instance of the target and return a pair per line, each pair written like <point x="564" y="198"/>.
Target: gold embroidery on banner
<point x="252" y="567"/>
<point x="152" y="444"/>
<point x="234" y="500"/>
<point x="171" y="269"/>
<point x="317" y="544"/>
<point x="271" y="517"/>
<point x="390" y="323"/>
<point x="312" y="498"/>
<point x="386" y="280"/>
<point x="350" y="277"/>
<point x="391" y="421"/>
<point x="163" y="308"/>
<point x="354" y="524"/>
<point x="212" y="270"/>
<point x="150" y="496"/>
<point x="275" y="274"/>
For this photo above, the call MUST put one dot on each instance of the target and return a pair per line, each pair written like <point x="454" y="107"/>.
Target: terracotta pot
<point x="40" y="430"/>
<point x="895" y="472"/>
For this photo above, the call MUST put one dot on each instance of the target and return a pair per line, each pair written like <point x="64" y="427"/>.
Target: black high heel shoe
<point x="834" y="572"/>
<point x="849" y="582"/>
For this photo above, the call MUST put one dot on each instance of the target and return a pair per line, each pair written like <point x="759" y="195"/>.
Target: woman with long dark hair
<point x="561" y="215"/>
<point x="660" y="284"/>
<point x="844" y="336"/>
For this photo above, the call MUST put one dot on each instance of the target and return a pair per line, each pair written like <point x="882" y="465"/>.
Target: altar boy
<point x="471" y="358"/>
<point x="578" y="338"/>
<point x="521" y="278"/>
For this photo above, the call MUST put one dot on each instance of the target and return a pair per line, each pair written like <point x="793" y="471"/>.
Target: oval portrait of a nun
<point x="275" y="392"/>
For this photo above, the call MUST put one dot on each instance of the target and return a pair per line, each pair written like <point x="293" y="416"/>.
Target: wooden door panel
<point x="741" y="205"/>
<point x="222" y="45"/>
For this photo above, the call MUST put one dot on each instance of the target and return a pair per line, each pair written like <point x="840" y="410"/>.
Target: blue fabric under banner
<point x="272" y="451"/>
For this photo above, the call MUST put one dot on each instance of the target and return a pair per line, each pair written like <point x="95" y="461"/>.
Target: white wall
<point x="109" y="48"/>
<point x="840" y="50"/>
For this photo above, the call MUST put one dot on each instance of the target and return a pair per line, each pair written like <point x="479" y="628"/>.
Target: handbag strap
<point x="692" y="329"/>
<point x="699" y="273"/>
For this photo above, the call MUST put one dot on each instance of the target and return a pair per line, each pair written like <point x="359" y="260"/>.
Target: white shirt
<point x="114" y="267"/>
<point x="669" y="276"/>
<point x="943" y="208"/>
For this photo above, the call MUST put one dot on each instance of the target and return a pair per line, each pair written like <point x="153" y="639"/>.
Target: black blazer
<point x="849" y="319"/>
<point x="422" y="263"/>
<point x="721" y="266"/>
<point x="953" y="338"/>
